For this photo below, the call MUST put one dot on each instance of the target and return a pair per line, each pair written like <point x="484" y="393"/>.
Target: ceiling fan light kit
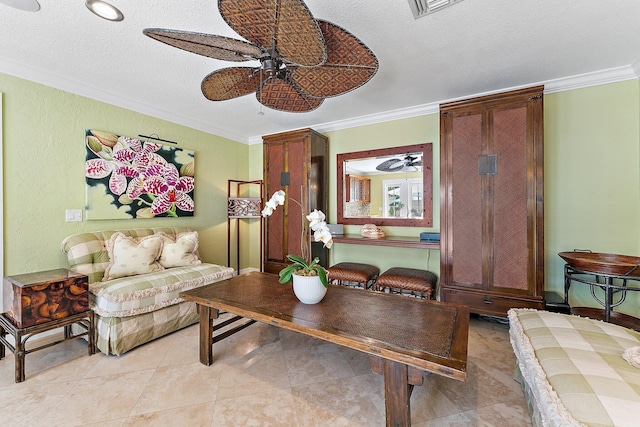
<point x="410" y="162"/>
<point x="303" y="60"/>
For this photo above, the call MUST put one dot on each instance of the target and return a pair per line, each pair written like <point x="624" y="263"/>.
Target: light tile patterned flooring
<point x="262" y="376"/>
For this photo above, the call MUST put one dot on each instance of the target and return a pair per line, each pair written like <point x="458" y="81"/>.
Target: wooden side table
<point x="85" y="320"/>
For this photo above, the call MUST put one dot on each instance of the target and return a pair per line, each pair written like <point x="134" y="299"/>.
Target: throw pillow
<point x="181" y="251"/>
<point x="129" y="256"/>
<point x="632" y="356"/>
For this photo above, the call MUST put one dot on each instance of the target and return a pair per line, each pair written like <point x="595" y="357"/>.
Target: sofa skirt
<point x="117" y="335"/>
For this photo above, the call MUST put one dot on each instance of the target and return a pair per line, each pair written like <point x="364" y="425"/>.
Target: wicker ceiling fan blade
<point x="281" y="94"/>
<point x="210" y="45"/>
<point x="391" y="165"/>
<point x="229" y="83"/>
<point x="287" y="25"/>
<point x="349" y="65"/>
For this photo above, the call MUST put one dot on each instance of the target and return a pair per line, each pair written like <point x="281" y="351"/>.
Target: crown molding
<point x="636" y="68"/>
<point x="611" y="75"/>
<point x="10" y="67"/>
<point x="403" y="113"/>
<point x="60" y="82"/>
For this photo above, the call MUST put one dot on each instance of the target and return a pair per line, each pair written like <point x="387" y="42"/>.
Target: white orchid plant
<point x="301" y="265"/>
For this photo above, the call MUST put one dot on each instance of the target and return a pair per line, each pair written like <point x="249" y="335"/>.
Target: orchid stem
<point x="303" y="246"/>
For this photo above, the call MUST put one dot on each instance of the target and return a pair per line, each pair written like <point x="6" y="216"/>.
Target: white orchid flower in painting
<point x="106" y="165"/>
<point x="121" y="158"/>
<point x="171" y="190"/>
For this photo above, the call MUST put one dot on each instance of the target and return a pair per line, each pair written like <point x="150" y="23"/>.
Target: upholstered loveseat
<point x="576" y="371"/>
<point x="135" y="276"/>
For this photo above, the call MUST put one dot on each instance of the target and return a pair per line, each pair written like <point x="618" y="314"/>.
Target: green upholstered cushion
<point x="575" y="369"/>
<point x="127" y="296"/>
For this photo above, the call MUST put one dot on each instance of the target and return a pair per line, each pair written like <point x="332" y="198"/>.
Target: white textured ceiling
<point x="473" y="47"/>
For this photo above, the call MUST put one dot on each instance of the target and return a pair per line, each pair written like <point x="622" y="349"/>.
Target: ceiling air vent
<point x="425" y="7"/>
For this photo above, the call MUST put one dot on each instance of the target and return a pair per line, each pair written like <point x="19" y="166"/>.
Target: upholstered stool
<point x="413" y="281"/>
<point x="363" y="274"/>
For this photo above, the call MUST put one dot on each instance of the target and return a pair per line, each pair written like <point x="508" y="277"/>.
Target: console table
<point x="610" y="284"/>
<point x="394" y="241"/>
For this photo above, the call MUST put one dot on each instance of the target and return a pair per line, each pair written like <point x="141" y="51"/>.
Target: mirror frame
<point x="427" y="186"/>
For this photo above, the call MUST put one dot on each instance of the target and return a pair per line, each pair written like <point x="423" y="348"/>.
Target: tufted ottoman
<point x="410" y="281"/>
<point x="363" y="274"/>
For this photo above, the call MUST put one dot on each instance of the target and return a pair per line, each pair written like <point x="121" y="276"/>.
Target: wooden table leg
<point x="92" y="333"/>
<point x="3" y="334"/>
<point x="397" y="393"/>
<point x="19" y="357"/>
<point x="206" y="315"/>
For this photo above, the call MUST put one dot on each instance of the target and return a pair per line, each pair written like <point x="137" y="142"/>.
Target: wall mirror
<point x="388" y="186"/>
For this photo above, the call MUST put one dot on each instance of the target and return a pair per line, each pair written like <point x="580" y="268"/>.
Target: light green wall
<point x="416" y="130"/>
<point x="250" y="256"/>
<point x="44" y="158"/>
<point x="592" y="181"/>
<point x="592" y="178"/>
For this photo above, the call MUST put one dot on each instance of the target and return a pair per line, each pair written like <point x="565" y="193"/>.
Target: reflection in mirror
<point x="391" y="186"/>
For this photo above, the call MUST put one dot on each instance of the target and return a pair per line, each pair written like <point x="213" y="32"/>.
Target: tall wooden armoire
<point x="296" y="162"/>
<point x="491" y="202"/>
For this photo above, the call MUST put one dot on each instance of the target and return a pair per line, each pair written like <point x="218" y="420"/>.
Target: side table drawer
<point x="36" y="298"/>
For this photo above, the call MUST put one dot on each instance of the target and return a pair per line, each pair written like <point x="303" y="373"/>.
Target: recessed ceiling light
<point x="28" y="5"/>
<point x="104" y="10"/>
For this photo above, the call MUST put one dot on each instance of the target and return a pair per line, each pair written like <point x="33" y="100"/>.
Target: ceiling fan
<point x="302" y="59"/>
<point x="410" y="162"/>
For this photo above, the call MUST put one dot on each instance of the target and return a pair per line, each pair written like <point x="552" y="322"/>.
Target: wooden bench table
<point x="404" y="336"/>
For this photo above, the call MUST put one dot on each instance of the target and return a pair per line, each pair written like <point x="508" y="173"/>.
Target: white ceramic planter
<point x="308" y="289"/>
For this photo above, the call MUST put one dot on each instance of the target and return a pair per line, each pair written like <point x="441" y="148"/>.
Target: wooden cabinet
<point x="296" y="162"/>
<point x="491" y="189"/>
<point x="359" y="188"/>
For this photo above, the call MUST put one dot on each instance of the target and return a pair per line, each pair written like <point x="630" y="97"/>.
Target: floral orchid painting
<point x="130" y="178"/>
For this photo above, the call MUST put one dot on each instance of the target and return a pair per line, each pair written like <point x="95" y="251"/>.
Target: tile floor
<point x="262" y="376"/>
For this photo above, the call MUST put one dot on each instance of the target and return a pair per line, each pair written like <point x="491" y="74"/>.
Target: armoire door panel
<point x="466" y="203"/>
<point x="295" y="162"/>
<point x="510" y="249"/>
<point x="492" y="214"/>
<point x="275" y="244"/>
<point x="297" y="185"/>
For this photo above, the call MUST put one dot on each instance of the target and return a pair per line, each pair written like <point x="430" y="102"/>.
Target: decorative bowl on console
<point x="601" y="263"/>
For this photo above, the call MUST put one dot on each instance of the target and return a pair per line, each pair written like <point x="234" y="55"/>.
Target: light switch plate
<point x="73" y="215"/>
